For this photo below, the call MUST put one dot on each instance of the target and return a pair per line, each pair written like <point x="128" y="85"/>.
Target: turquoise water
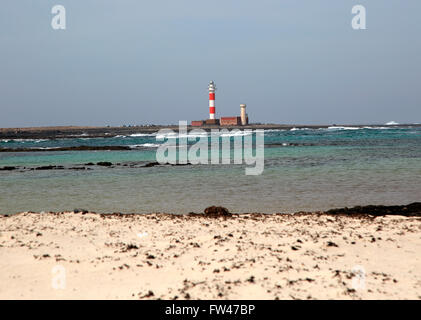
<point x="304" y="170"/>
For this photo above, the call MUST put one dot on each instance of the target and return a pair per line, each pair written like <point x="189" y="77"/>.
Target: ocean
<point x="305" y="170"/>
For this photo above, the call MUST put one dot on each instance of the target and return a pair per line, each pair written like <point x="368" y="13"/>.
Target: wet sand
<point x="247" y="256"/>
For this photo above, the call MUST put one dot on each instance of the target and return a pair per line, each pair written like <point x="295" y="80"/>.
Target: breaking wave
<point x="144" y="145"/>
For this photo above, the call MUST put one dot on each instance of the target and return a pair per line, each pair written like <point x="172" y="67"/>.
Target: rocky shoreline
<point x="107" y="132"/>
<point x="125" y="148"/>
<point x="89" y="166"/>
<point x="365" y="212"/>
<point x="78" y="148"/>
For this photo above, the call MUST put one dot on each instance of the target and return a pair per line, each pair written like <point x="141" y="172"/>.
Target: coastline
<point x="60" y="132"/>
<point x="243" y="256"/>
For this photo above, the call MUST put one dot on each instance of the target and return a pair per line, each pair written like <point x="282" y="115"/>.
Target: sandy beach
<point x="249" y="256"/>
<point x="223" y="150"/>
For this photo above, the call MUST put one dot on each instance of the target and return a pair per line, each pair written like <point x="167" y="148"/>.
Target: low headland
<point x="59" y="132"/>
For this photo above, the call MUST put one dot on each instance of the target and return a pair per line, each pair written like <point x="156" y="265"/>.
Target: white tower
<point x="243" y="114"/>
<point x="212" y="89"/>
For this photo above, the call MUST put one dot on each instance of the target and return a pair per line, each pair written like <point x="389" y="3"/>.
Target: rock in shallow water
<point x="104" y="164"/>
<point x="7" y="168"/>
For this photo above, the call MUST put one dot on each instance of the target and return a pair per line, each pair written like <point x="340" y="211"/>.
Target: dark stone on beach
<point x="131" y="246"/>
<point x="410" y="210"/>
<point x="8" y="168"/>
<point x="148" y="295"/>
<point x="217" y="212"/>
<point x="331" y="244"/>
<point x="83" y="211"/>
<point x="104" y="164"/>
<point x="89" y="164"/>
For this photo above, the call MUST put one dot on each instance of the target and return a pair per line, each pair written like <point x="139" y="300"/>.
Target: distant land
<point x="57" y="132"/>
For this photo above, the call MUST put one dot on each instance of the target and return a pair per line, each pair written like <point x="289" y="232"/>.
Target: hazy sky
<point x="136" y="62"/>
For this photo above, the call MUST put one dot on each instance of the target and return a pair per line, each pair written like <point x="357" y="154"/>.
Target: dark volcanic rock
<point x="413" y="209"/>
<point x="78" y="148"/>
<point x="8" y="168"/>
<point x="49" y="168"/>
<point x="151" y="164"/>
<point x="217" y="212"/>
<point x="41" y="168"/>
<point x="83" y="211"/>
<point x="104" y="164"/>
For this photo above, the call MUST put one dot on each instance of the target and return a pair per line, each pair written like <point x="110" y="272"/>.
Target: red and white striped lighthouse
<point x="212" y="89"/>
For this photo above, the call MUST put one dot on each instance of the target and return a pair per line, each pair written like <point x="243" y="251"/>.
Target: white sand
<point x="246" y="257"/>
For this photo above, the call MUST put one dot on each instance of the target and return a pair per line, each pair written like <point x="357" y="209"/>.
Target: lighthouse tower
<point x="212" y="89"/>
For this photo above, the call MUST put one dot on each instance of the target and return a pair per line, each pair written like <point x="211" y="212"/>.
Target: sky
<point x="150" y="62"/>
